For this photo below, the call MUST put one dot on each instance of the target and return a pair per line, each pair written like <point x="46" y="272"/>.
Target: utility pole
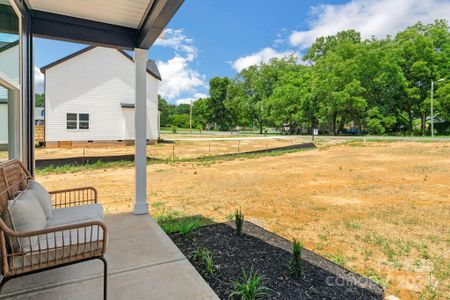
<point x="432" y="112"/>
<point x="190" y="118"/>
<point x="432" y="115"/>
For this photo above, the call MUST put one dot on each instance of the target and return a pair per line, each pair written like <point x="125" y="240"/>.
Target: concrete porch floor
<point x="143" y="264"/>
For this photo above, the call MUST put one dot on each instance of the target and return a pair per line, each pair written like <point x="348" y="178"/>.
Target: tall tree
<point x="217" y="95"/>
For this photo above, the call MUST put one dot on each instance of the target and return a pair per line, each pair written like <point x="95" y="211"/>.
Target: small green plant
<point x="295" y="265"/>
<point x="186" y="229"/>
<point x="250" y="286"/>
<point x="239" y="219"/>
<point x="204" y="257"/>
<point x="174" y="129"/>
<point x="338" y="259"/>
<point x="230" y="217"/>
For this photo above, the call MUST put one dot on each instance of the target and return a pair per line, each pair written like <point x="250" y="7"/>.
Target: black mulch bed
<point x="269" y="254"/>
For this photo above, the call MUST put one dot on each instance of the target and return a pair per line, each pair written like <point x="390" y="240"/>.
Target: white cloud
<point x="38" y="81"/>
<point x="262" y="56"/>
<point x="194" y="98"/>
<point x="370" y="17"/>
<point x="177" y="74"/>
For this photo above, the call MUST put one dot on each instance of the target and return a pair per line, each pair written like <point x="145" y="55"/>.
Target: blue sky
<point x="208" y="38"/>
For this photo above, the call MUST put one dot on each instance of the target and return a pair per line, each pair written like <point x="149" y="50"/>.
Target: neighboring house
<point x="3" y="124"/>
<point x="89" y="97"/>
<point x="39" y="115"/>
<point x="9" y="54"/>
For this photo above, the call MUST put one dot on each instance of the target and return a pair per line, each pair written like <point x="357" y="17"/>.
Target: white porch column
<point x="140" y="125"/>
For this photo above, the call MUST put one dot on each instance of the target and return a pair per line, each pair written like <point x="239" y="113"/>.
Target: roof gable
<point x="152" y="68"/>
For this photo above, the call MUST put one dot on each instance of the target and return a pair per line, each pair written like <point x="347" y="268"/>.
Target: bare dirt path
<point x="381" y="209"/>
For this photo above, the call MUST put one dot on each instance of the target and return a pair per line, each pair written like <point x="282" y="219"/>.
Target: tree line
<point x="343" y="84"/>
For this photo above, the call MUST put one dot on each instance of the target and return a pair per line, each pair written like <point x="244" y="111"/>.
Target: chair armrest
<point x="56" y="245"/>
<point x="73" y="197"/>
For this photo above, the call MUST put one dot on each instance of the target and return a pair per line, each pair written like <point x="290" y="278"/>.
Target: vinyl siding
<point x="95" y="82"/>
<point x="9" y="66"/>
<point x="3" y="123"/>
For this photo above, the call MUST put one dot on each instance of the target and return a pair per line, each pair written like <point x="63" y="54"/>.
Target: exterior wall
<point x="3" y="124"/>
<point x="94" y="82"/>
<point x="8" y="61"/>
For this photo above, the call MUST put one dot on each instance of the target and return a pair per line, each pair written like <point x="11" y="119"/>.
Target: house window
<point x="71" y="121"/>
<point x="83" y="121"/>
<point x="77" y="121"/>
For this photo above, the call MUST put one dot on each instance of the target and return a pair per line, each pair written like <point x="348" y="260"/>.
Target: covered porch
<point x="143" y="261"/>
<point x="143" y="264"/>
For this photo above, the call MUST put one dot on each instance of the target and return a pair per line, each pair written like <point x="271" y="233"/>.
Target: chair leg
<point x="3" y="282"/>
<point x="105" y="277"/>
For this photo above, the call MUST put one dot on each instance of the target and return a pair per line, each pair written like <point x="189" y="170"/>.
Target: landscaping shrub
<point x="250" y="287"/>
<point x="239" y="219"/>
<point x="295" y="264"/>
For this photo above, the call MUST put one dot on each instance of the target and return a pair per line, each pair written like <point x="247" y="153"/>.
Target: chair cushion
<point x="75" y="244"/>
<point x="44" y="198"/>
<point x="11" y="242"/>
<point x="76" y="214"/>
<point x="27" y="215"/>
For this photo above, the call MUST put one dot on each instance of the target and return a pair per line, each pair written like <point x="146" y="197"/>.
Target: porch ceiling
<point x="123" y="24"/>
<point x="118" y="12"/>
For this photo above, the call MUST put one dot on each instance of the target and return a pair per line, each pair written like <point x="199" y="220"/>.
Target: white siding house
<point x="9" y="55"/>
<point x="89" y="97"/>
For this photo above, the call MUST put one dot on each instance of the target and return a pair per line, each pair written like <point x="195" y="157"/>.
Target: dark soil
<point x="269" y="254"/>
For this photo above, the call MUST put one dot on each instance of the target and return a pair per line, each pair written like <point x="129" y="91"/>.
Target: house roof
<point x="152" y="68"/>
<point x="6" y="45"/>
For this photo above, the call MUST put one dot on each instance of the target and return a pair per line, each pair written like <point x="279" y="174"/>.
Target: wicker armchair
<point x="51" y="247"/>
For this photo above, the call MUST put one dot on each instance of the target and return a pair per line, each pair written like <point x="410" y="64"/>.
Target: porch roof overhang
<point x="120" y="24"/>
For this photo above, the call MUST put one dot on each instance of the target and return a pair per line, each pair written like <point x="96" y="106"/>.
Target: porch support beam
<point x="140" y="123"/>
<point x="159" y="15"/>
<point x="71" y="29"/>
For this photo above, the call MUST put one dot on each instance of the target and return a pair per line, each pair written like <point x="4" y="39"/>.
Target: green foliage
<point x="251" y="286"/>
<point x="173" y="129"/>
<point x="175" y="222"/>
<point x="180" y="120"/>
<point x="39" y="100"/>
<point x="239" y="220"/>
<point x="378" y="86"/>
<point x="296" y="264"/>
<point x="204" y="257"/>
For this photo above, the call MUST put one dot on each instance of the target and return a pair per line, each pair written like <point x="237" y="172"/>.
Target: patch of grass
<point x="175" y="222"/>
<point x="251" y="286"/>
<point x="296" y="263"/>
<point x="157" y="204"/>
<point x="323" y="237"/>
<point x="338" y="258"/>
<point x="51" y="169"/>
<point x="352" y="226"/>
<point x="230" y="217"/>
<point x="204" y="257"/>
<point x="375" y="277"/>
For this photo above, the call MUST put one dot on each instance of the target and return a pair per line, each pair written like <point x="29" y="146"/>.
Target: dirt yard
<point x="380" y="209"/>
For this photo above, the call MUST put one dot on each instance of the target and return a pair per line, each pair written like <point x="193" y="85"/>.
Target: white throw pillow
<point x="41" y="194"/>
<point x="27" y="215"/>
